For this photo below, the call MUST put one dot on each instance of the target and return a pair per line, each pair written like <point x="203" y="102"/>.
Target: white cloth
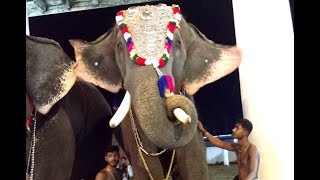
<point x="129" y="169"/>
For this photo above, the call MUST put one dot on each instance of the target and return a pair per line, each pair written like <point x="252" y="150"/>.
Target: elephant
<point x="71" y="116"/>
<point x="161" y="61"/>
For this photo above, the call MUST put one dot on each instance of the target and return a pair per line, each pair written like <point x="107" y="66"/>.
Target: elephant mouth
<point x="176" y="129"/>
<point x="175" y="113"/>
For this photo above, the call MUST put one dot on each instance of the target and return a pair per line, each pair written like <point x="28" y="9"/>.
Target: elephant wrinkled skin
<point x="71" y="118"/>
<point x="194" y="61"/>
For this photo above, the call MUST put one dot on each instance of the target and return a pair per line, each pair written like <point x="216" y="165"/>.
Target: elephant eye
<point x="98" y="61"/>
<point x="119" y="45"/>
<point x="177" y="43"/>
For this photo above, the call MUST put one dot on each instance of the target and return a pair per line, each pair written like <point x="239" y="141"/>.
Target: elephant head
<point x="48" y="80"/>
<point x="164" y="44"/>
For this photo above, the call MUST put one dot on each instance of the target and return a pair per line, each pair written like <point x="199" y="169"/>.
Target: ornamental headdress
<point x="148" y="32"/>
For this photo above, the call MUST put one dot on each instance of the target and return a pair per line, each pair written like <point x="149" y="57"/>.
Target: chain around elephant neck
<point x="32" y="146"/>
<point x="136" y="137"/>
<point x="136" y="134"/>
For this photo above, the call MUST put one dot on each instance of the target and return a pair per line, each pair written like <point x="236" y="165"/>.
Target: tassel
<point x="165" y="85"/>
<point x="28" y="123"/>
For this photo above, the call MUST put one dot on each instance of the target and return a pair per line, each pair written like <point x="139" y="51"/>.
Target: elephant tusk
<point x="182" y="116"/>
<point x="121" y="112"/>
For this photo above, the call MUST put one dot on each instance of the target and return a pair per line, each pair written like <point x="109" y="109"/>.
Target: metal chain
<point x="134" y="128"/>
<point x="111" y="174"/>
<point x="33" y="145"/>
<point x="140" y="153"/>
<point x="143" y="160"/>
<point x="29" y="156"/>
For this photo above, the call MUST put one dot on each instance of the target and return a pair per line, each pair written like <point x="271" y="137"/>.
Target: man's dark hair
<point x="246" y="124"/>
<point x="112" y="149"/>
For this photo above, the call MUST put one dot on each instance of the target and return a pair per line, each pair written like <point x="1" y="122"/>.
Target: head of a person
<point x="123" y="160"/>
<point x="112" y="155"/>
<point x="242" y="128"/>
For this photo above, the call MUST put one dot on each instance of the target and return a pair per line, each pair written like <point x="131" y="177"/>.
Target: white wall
<point x="264" y="32"/>
<point x="216" y="155"/>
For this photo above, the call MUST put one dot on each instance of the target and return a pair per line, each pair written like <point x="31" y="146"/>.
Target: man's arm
<point x="216" y="141"/>
<point x="254" y="163"/>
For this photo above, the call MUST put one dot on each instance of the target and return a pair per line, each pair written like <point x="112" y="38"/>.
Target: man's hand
<point x="200" y="127"/>
<point x="215" y="141"/>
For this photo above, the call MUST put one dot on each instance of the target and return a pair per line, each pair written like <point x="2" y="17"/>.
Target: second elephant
<point x="71" y="116"/>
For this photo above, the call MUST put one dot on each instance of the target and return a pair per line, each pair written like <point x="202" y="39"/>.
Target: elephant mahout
<point x="71" y="116"/>
<point x="161" y="61"/>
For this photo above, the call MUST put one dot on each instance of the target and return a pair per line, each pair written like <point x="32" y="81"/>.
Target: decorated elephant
<point x="69" y="130"/>
<point x="161" y="61"/>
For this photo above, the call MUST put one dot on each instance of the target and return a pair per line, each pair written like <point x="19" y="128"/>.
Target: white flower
<point x="119" y="18"/>
<point x="126" y="35"/>
<point x="150" y="61"/>
<point x="177" y="16"/>
<point x="170" y="35"/>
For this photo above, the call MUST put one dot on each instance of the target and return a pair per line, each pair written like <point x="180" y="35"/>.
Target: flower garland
<point x="167" y="47"/>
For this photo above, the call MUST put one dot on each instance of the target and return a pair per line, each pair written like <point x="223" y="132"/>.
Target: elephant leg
<point x="54" y="148"/>
<point x="191" y="159"/>
<point x="131" y="150"/>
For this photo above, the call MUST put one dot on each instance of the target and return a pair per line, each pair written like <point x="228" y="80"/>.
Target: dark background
<point x="218" y="104"/>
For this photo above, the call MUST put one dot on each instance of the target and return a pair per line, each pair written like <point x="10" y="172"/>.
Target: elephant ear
<point x="96" y="63"/>
<point x="206" y="61"/>
<point x="49" y="72"/>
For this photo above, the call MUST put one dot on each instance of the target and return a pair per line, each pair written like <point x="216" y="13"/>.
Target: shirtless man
<point x="110" y="172"/>
<point x="247" y="154"/>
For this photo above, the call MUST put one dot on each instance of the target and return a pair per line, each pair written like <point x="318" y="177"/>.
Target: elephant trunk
<point x="155" y="115"/>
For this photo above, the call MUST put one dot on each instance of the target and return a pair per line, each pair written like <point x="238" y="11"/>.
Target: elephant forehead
<point x="148" y="28"/>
